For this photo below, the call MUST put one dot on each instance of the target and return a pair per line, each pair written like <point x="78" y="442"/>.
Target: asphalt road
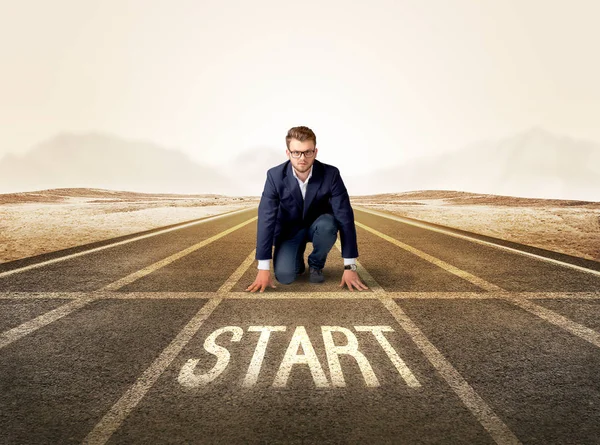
<point x="151" y="338"/>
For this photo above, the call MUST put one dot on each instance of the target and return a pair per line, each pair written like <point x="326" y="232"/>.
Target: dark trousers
<point x="289" y="254"/>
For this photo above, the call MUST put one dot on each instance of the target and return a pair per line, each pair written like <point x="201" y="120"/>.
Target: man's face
<point x="301" y="164"/>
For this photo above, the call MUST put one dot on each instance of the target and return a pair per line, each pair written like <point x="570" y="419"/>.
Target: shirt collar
<point x="309" y="174"/>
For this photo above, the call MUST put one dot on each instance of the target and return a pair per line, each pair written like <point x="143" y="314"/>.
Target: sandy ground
<point x="571" y="227"/>
<point x="35" y="223"/>
<point x="40" y="223"/>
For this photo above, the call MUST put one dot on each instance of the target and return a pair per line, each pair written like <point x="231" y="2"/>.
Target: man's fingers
<point x="359" y="285"/>
<point x="260" y="286"/>
<point x="348" y="283"/>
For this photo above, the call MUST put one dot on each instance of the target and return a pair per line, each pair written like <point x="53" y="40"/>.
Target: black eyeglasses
<point x="298" y="154"/>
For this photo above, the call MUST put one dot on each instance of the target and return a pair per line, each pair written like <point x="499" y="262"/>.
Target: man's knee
<point x="285" y="277"/>
<point x="326" y="224"/>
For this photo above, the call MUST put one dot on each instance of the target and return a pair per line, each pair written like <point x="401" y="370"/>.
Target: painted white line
<point x="398" y="363"/>
<point x="120" y="410"/>
<point x="43" y="295"/>
<point x="119" y="243"/>
<point x="166" y="261"/>
<point x="476" y="240"/>
<point x="555" y="295"/>
<point x="33" y="325"/>
<point x="239" y="273"/>
<point x="301" y="295"/>
<point x="479" y="282"/>
<point x="478" y="407"/>
<point x="272" y="295"/>
<point x="556" y="319"/>
<point x="127" y="403"/>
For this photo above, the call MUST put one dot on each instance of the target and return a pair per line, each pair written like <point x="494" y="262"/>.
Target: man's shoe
<point x="316" y="275"/>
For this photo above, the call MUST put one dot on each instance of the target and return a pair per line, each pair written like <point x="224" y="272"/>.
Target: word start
<point x="190" y="379"/>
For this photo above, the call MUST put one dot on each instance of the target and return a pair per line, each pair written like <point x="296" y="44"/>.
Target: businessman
<point x="304" y="200"/>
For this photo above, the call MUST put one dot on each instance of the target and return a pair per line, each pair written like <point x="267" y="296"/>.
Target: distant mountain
<point x="248" y="170"/>
<point x="96" y="160"/>
<point x="533" y="164"/>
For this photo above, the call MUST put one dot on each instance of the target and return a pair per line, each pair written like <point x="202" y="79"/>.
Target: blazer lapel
<point x="313" y="185"/>
<point x="293" y="185"/>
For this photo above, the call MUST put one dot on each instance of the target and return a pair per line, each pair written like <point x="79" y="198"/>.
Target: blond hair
<point x="300" y="133"/>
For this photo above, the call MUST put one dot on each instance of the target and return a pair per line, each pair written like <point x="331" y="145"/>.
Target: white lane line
<point x="556" y="295"/>
<point x="389" y="350"/>
<point x="478" y="407"/>
<point x="556" y="319"/>
<point x="33" y="325"/>
<point x="239" y="273"/>
<point x="166" y="261"/>
<point x="80" y="301"/>
<point x="119" y="243"/>
<point x="479" y="282"/>
<point x="128" y="401"/>
<point x="495" y="427"/>
<point x="548" y="315"/>
<point x="301" y="295"/>
<point x="43" y="295"/>
<point x="476" y="240"/>
<point x="272" y="295"/>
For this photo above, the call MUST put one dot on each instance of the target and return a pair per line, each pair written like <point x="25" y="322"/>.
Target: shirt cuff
<point x="349" y="261"/>
<point x="264" y="264"/>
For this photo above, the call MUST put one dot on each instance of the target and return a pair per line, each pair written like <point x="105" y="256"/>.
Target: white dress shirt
<point x="266" y="264"/>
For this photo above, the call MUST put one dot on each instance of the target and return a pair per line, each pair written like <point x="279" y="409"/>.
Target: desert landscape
<point x="565" y="226"/>
<point x="33" y="223"/>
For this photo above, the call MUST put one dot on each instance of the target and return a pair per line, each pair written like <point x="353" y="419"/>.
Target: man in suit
<point x="304" y="200"/>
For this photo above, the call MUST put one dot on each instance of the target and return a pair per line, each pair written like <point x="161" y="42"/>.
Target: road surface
<point x="151" y="338"/>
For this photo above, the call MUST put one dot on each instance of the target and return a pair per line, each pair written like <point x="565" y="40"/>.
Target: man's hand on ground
<point x="263" y="279"/>
<point x="351" y="278"/>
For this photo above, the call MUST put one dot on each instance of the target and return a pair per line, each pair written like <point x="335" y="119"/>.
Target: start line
<point x="190" y="379"/>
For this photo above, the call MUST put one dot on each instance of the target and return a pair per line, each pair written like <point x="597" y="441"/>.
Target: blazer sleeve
<point x="343" y="213"/>
<point x="267" y="218"/>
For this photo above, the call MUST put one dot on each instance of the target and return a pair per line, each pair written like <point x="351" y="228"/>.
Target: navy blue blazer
<point x="282" y="212"/>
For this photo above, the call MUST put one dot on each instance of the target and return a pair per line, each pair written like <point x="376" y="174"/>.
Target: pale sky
<point x="398" y="79"/>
